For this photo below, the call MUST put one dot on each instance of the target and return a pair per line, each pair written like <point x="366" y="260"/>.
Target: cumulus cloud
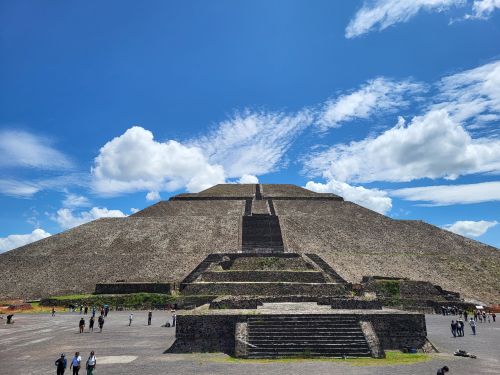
<point x="67" y="218"/>
<point x="252" y="143"/>
<point x="380" y="14"/>
<point x="374" y="199"/>
<point x="432" y="146"/>
<point x="153" y="196"/>
<point x="471" y="96"/>
<point x="444" y="195"/>
<point x="134" y="210"/>
<point x="377" y="95"/>
<point x="16" y="240"/>
<point x="23" y="149"/>
<point x="134" y="161"/>
<point x="470" y="228"/>
<point x="248" y="179"/>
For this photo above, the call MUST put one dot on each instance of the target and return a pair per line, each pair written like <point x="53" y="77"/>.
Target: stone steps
<point x="261" y="231"/>
<point x="260" y="276"/>
<point x="265" y="289"/>
<point x="306" y="336"/>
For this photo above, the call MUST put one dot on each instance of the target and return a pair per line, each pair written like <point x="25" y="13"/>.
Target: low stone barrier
<point x="132" y="287"/>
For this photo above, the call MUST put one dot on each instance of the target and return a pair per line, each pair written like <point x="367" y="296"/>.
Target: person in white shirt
<point x="130" y="317"/>
<point x="75" y="363"/>
<point x="91" y="363"/>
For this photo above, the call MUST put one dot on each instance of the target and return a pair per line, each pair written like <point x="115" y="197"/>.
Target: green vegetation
<point x="392" y="358"/>
<point x="133" y="300"/>
<point x="388" y="288"/>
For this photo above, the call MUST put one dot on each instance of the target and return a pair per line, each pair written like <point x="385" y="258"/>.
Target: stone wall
<point x="216" y="333"/>
<point x="259" y="276"/>
<point x="127" y="288"/>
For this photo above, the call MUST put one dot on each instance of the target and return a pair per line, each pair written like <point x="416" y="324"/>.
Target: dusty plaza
<point x="34" y="342"/>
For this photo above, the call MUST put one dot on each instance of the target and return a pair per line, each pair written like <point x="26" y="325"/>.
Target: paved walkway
<point x="34" y="342"/>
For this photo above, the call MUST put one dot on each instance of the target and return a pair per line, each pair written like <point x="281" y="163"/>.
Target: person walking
<point x="91" y="324"/>
<point x="461" y="326"/>
<point x="81" y="309"/>
<point x="53" y="311"/>
<point x="91" y="363"/>
<point x="81" y="324"/>
<point x="100" y="322"/>
<point x="454" y="328"/>
<point x="130" y="318"/>
<point x="106" y="310"/>
<point x="443" y="370"/>
<point x="494" y="316"/>
<point x="150" y="316"/>
<point x="174" y="318"/>
<point x="472" y="323"/>
<point x="61" y="364"/>
<point x="85" y="309"/>
<point x="75" y="363"/>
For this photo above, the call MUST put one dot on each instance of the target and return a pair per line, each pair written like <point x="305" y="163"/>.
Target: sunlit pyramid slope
<point x="166" y="241"/>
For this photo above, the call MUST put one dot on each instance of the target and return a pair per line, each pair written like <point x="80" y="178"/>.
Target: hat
<point x="63" y="355"/>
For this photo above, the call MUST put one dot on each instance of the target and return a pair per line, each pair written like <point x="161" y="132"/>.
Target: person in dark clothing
<point x="61" y="364"/>
<point x="460" y="327"/>
<point x="494" y="316"/>
<point x="454" y="328"/>
<point x="150" y="316"/>
<point x="91" y="324"/>
<point x="443" y="370"/>
<point x="81" y="324"/>
<point x="100" y="322"/>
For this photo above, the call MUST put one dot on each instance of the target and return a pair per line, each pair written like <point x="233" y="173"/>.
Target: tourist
<point x="75" y="363"/>
<point x="91" y="324"/>
<point x="472" y="323"/>
<point x="466" y="314"/>
<point x="484" y="316"/>
<point x="106" y="310"/>
<point x="61" y="364"/>
<point x="130" y="318"/>
<point x="150" y="316"/>
<point x="100" y="321"/>
<point x="91" y="363"/>
<point x="174" y="318"/>
<point x="454" y="328"/>
<point x="53" y="311"/>
<point x="81" y="324"/>
<point x="81" y="309"/>
<point x="443" y="370"/>
<point x="86" y="309"/>
<point x="460" y="327"/>
<point x="93" y="311"/>
<point x="494" y="316"/>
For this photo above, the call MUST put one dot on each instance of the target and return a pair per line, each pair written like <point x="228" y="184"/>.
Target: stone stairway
<point x="261" y="233"/>
<point x="337" y="336"/>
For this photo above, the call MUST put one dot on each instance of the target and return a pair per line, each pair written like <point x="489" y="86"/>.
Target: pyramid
<point x="168" y="240"/>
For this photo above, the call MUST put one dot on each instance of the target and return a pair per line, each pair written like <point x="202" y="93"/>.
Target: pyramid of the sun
<point x="166" y="241"/>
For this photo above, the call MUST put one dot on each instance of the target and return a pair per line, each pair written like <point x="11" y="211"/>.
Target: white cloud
<point x="374" y="199"/>
<point x="134" y="210"/>
<point x="470" y="228"/>
<point x="134" y="161"/>
<point x="26" y="189"/>
<point x="472" y="96"/>
<point x="431" y="146"/>
<point x="248" y="179"/>
<point x="153" y="196"/>
<point x="483" y="9"/>
<point x="73" y="200"/>
<point x="253" y="143"/>
<point x="380" y="14"/>
<point x="67" y="219"/>
<point x="23" y="149"/>
<point x="377" y="95"/>
<point x="443" y="195"/>
<point x="16" y="240"/>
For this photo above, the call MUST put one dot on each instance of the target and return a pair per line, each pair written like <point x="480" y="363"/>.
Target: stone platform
<point x="341" y="333"/>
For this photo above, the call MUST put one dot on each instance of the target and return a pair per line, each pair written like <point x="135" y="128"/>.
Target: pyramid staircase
<point x="337" y="336"/>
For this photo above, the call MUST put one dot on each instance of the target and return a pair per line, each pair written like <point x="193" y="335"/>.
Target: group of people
<point x="457" y="327"/>
<point x="76" y="363"/>
<point x="100" y="322"/>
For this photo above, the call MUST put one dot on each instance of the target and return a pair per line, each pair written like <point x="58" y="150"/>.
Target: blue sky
<point x="107" y="107"/>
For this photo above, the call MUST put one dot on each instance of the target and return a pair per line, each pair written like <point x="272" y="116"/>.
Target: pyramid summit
<point x="168" y="240"/>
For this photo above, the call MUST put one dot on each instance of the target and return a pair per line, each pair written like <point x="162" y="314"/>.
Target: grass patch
<point x="393" y="358"/>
